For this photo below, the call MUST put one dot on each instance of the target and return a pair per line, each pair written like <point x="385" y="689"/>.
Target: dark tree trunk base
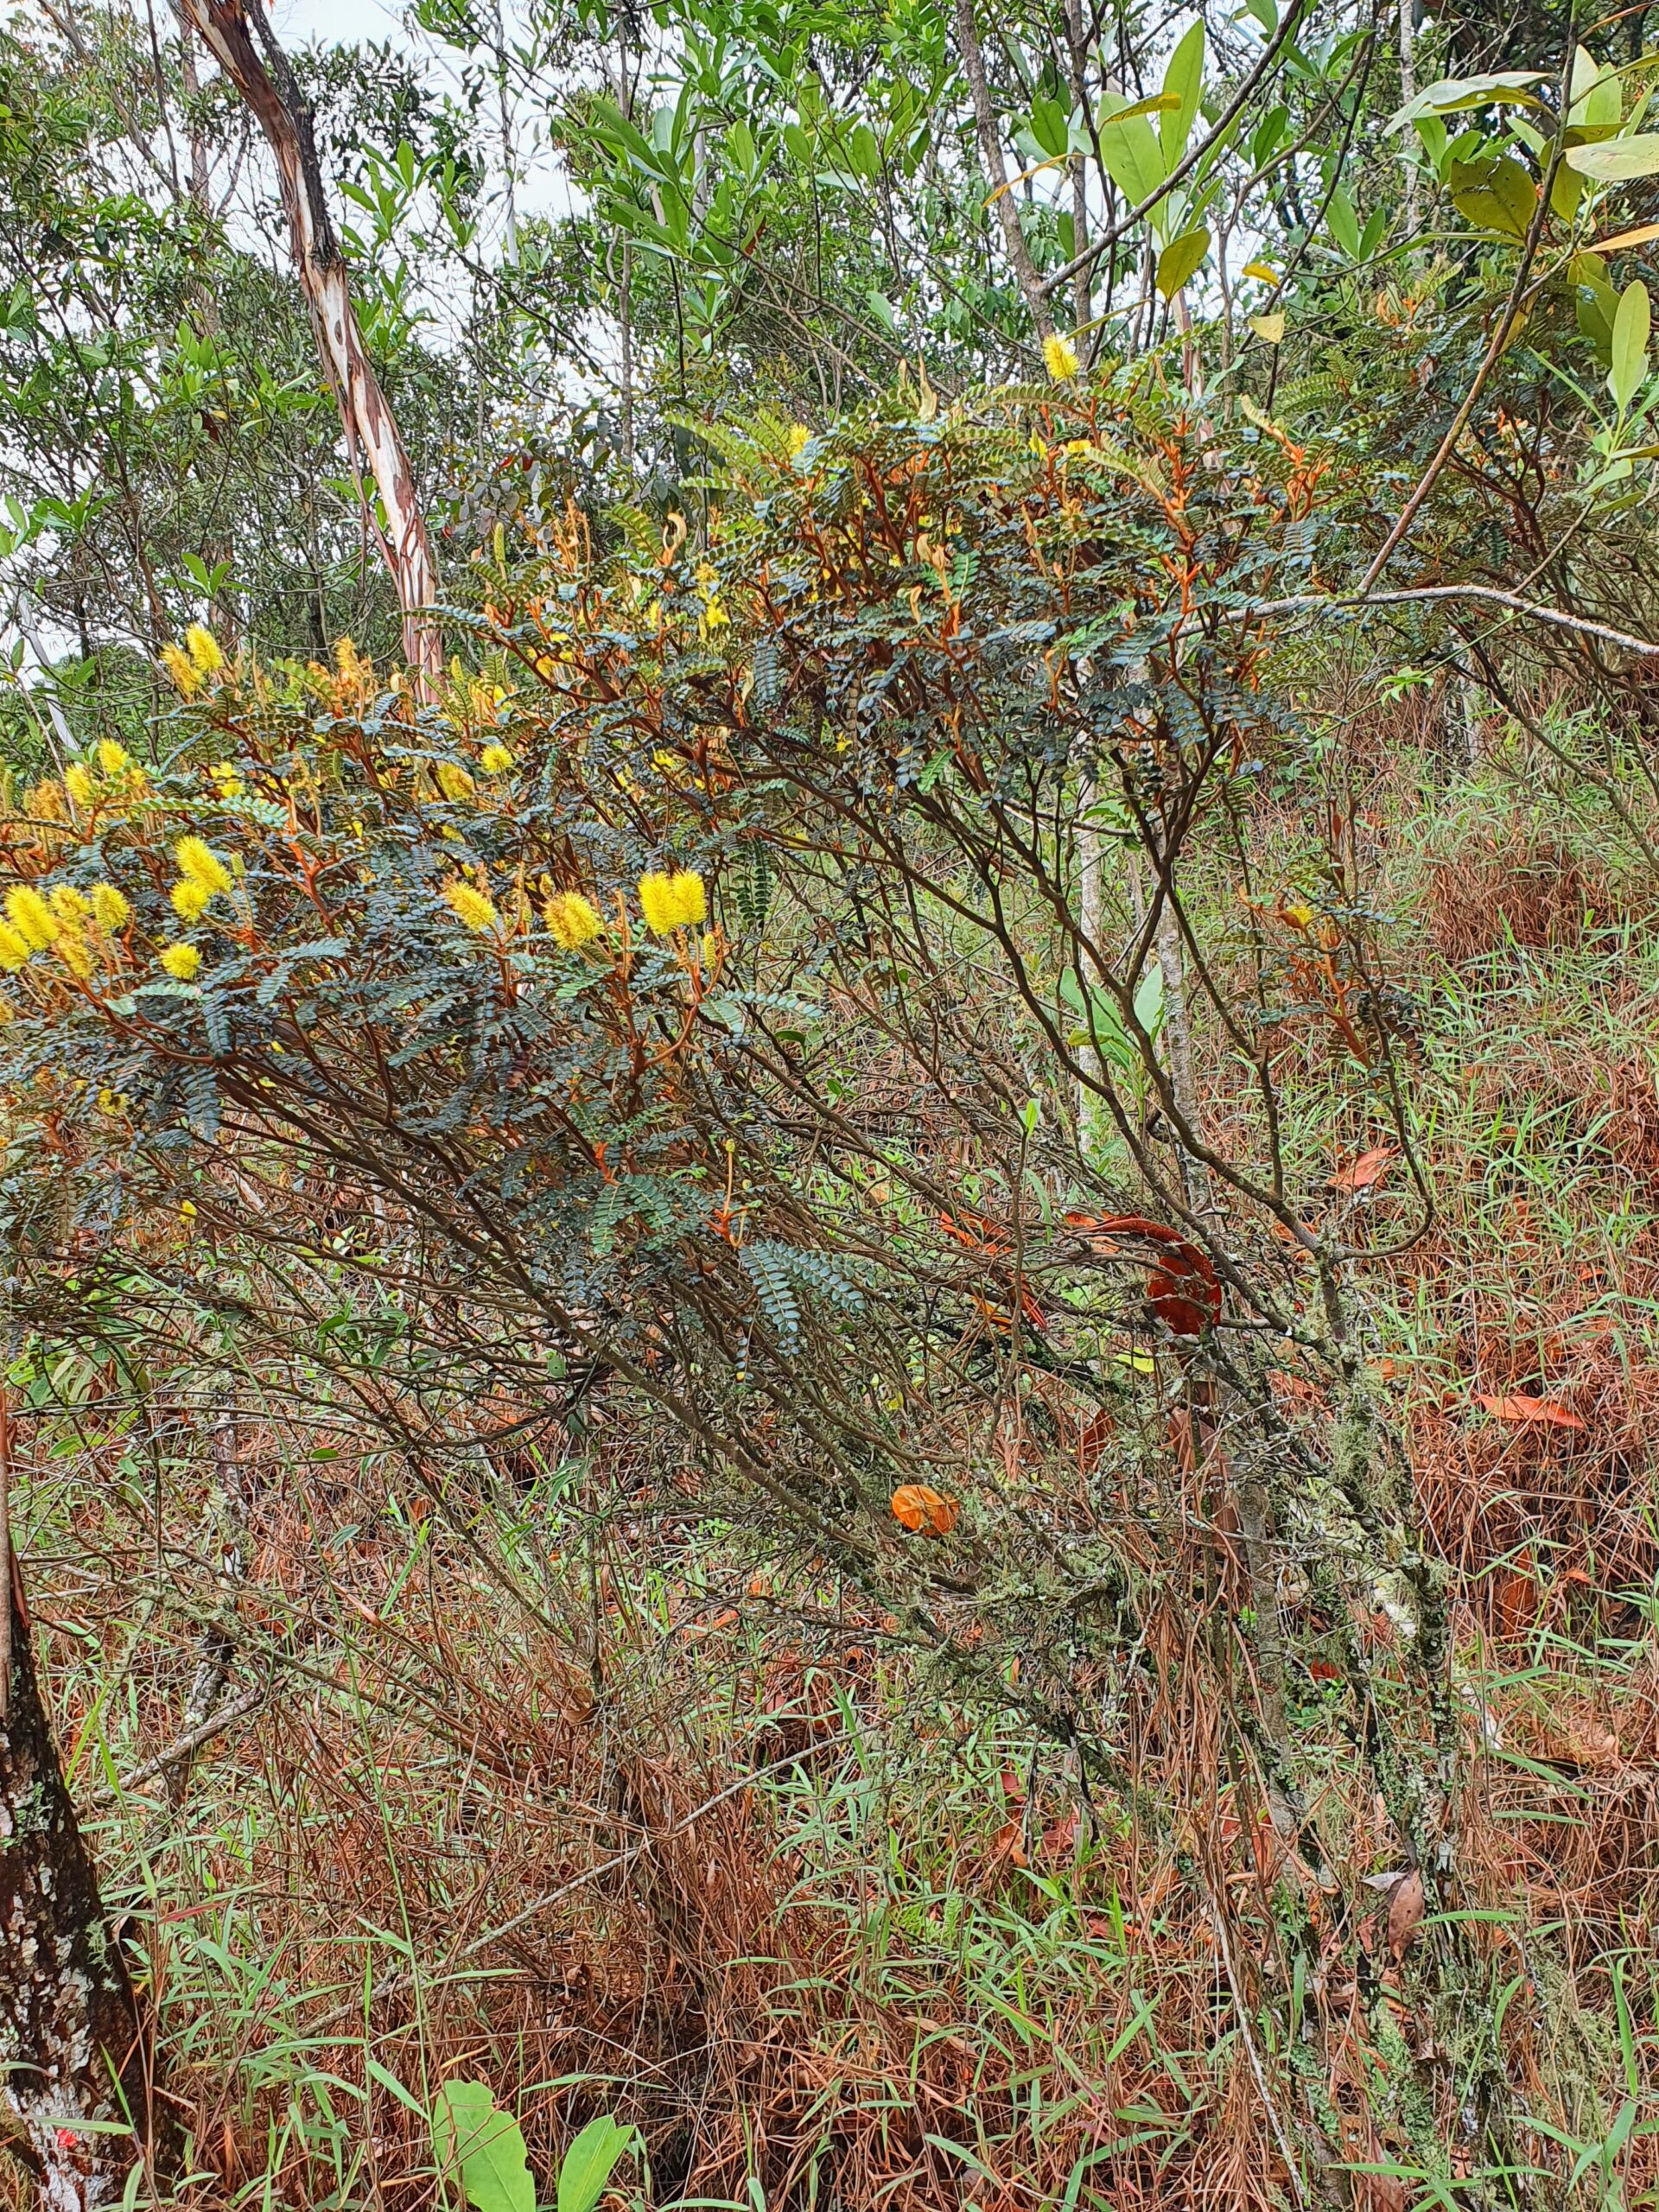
<point x="71" y="2046"/>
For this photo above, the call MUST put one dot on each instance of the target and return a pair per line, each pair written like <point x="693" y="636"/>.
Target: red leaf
<point x="1544" y="1412"/>
<point x="1370" y="1167"/>
<point x="1181" y="1285"/>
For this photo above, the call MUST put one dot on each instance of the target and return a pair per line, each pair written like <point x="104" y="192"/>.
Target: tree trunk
<point x="269" y="87"/>
<point x="990" y="153"/>
<point x="71" y="2044"/>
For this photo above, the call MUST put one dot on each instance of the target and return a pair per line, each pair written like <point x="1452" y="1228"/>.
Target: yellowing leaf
<point x="1617" y="160"/>
<point x="1181" y="259"/>
<point x="1644" y="234"/>
<point x="1271" y="327"/>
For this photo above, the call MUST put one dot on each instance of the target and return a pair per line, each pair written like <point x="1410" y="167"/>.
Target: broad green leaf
<point x="1343" y="224"/>
<point x="1594" y="94"/>
<point x="1184" y="77"/>
<point x="588" y="2162"/>
<point x="1566" y="189"/>
<point x="1497" y="88"/>
<point x="864" y="153"/>
<point x="799" y="144"/>
<point x="1617" y="161"/>
<point x="1431" y="131"/>
<point x="1149" y="1002"/>
<point x="1595" y="323"/>
<point x="1495" y="194"/>
<point x="1050" y="126"/>
<point x="1270" y="134"/>
<point x="484" y="2146"/>
<point x="1180" y="259"/>
<point x="1130" y="150"/>
<point x="1630" y="326"/>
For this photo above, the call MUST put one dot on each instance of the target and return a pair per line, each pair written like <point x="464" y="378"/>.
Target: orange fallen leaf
<point x="1543" y="1411"/>
<point x="1370" y="1167"/>
<point x="1008" y="1844"/>
<point x="919" y="1508"/>
<point x="1405" y="1913"/>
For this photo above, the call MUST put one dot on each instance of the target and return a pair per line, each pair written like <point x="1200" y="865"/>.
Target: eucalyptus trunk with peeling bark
<point x="228" y="28"/>
<point x="73" y="2076"/>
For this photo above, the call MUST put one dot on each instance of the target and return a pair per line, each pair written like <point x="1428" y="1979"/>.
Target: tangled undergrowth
<point x="674" y="1462"/>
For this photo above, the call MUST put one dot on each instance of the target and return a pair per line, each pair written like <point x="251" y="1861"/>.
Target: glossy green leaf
<point x="1050" y="126"/>
<point x="1180" y="260"/>
<point x="1594" y="93"/>
<point x="483" y="2147"/>
<point x="1129" y="148"/>
<point x="1630" y="327"/>
<point x="1497" y="88"/>
<point x="590" y="2162"/>
<point x="1185" y="79"/>
<point x="1343" y="223"/>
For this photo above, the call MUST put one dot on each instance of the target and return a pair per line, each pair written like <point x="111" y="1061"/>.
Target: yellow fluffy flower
<point x="1059" y="357"/>
<point x="454" y="782"/>
<point x="495" y="760"/>
<point x="78" y="782"/>
<point x="114" y="759"/>
<point x="657" y="903"/>
<point x="672" y="902"/>
<point x="181" y="961"/>
<point x="693" y="897"/>
<point x="190" y="898"/>
<point x="187" y="677"/>
<point x="110" y="909"/>
<point x="31" y="917"/>
<point x="203" y="648"/>
<point x="71" y="907"/>
<point x="573" y="919"/>
<point x="199" y="861"/>
<point x="15" y="948"/>
<point x="470" y="904"/>
<point x="72" y="949"/>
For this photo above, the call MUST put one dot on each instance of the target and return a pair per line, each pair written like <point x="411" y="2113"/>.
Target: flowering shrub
<point x="689" y="995"/>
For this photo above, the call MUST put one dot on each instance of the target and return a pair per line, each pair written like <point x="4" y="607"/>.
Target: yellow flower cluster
<point x="454" y="782"/>
<point x="672" y="902"/>
<point x="202" y="877"/>
<point x="181" y="961"/>
<point x="495" y="760"/>
<point x="573" y="919"/>
<point x="60" y="921"/>
<point x="113" y="763"/>
<point x="191" y="664"/>
<point x="472" y="905"/>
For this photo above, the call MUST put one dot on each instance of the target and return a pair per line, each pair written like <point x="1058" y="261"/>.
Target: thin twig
<point x="1314" y="601"/>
